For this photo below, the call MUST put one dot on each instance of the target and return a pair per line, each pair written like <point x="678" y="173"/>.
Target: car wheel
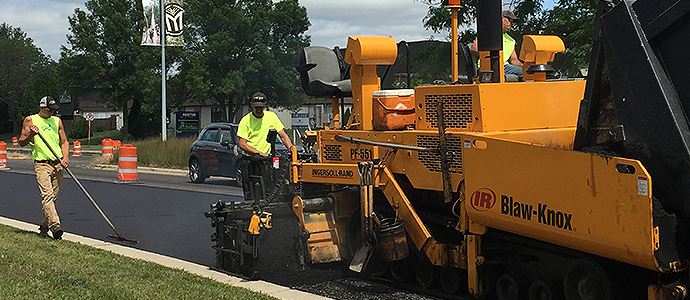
<point x="238" y="174"/>
<point x="196" y="175"/>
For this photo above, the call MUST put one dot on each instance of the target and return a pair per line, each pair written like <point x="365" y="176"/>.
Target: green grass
<point x="96" y="138"/>
<point x="35" y="268"/>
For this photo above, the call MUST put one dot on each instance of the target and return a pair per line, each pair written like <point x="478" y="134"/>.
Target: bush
<point x="79" y="130"/>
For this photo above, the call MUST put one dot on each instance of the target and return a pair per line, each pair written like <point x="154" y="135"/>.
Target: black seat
<point x="320" y="74"/>
<point x="469" y="60"/>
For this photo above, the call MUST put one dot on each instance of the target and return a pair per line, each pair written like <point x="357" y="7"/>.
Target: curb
<point x="149" y="170"/>
<point x="28" y="150"/>
<point x="259" y="286"/>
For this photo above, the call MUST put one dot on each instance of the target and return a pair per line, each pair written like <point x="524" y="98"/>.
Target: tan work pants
<point x="49" y="177"/>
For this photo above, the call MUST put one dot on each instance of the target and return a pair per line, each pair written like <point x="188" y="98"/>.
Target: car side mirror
<point x="224" y="143"/>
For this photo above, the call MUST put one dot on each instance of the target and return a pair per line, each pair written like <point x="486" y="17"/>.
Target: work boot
<point x="43" y="232"/>
<point x="57" y="233"/>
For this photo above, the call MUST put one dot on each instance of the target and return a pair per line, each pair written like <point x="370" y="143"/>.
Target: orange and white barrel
<point x="107" y="150"/>
<point x="3" y="155"/>
<point x="127" y="164"/>
<point x="15" y="141"/>
<point x="116" y="145"/>
<point x="77" y="148"/>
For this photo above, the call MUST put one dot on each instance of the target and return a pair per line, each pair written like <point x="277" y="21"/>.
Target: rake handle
<point x="82" y="188"/>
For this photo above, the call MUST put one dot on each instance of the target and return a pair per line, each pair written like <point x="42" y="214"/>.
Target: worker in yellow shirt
<point x="253" y="130"/>
<point x="49" y="169"/>
<point x="512" y="65"/>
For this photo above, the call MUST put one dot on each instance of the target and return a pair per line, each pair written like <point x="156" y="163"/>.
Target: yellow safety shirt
<point x="49" y="130"/>
<point x="255" y="130"/>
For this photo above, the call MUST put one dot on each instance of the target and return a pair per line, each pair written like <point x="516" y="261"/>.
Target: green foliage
<point x="105" y="53"/>
<point x="571" y="20"/>
<point x="240" y="47"/>
<point x="431" y="64"/>
<point x="78" y="130"/>
<point x="35" y="268"/>
<point x="23" y="65"/>
<point x="96" y="138"/>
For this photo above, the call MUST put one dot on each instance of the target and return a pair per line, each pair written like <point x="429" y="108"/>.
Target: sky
<point x="45" y="21"/>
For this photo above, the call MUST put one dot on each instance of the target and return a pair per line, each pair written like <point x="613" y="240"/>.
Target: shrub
<point x="79" y="130"/>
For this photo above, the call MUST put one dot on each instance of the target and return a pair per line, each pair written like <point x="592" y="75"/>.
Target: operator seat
<point x="469" y="60"/>
<point x="319" y="71"/>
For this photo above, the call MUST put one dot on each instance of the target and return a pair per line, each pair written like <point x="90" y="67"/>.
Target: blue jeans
<point x="512" y="69"/>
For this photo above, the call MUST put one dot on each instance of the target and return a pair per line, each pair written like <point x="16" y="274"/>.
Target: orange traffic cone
<point x="107" y="150"/>
<point x="116" y="145"/>
<point x="127" y="163"/>
<point x="15" y="141"/>
<point x="77" y="148"/>
<point x="3" y="155"/>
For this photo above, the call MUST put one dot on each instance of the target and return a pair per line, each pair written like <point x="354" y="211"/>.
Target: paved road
<point x="165" y="214"/>
<point x="164" y="221"/>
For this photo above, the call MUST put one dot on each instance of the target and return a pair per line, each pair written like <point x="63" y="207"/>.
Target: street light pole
<point x="164" y="131"/>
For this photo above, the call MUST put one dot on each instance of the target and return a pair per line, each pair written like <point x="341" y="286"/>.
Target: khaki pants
<point x="49" y="177"/>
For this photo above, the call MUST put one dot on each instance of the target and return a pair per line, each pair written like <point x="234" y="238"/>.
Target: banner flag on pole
<point x="152" y="16"/>
<point x="173" y="23"/>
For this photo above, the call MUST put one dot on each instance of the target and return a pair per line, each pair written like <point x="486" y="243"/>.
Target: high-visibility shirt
<point x="255" y="130"/>
<point x="49" y="130"/>
<point x="508" y="48"/>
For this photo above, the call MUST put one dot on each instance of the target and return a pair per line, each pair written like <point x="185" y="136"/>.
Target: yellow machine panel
<point x="600" y="205"/>
<point x="500" y="107"/>
<point x="416" y="165"/>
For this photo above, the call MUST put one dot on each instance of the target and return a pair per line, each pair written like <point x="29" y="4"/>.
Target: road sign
<point x="300" y="120"/>
<point x="89" y="117"/>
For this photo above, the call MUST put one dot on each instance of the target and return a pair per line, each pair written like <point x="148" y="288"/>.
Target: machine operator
<point x="253" y="130"/>
<point x="512" y="65"/>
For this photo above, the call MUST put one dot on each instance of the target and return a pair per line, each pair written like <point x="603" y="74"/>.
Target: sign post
<point x="299" y="121"/>
<point x="89" y="117"/>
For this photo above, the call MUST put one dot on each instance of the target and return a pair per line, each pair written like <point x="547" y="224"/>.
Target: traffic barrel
<point x="15" y="141"/>
<point x="3" y="155"/>
<point x="127" y="164"/>
<point x="116" y="145"/>
<point x="107" y="150"/>
<point x="77" y="148"/>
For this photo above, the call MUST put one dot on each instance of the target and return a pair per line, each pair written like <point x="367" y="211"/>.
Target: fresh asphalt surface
<point x="165" y="214"/>
<point x="164" y="221"/>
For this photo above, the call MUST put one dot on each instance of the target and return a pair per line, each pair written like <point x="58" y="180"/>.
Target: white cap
<point x="49" y="102"/>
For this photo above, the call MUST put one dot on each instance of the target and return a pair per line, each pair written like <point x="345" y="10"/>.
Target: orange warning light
<point x="454" y="3"/>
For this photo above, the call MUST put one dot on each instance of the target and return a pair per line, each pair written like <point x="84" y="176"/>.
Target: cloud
<point x="44" y="21"/>
<point x="333" y="21"/>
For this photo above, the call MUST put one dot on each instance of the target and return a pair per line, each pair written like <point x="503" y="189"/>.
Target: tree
<point x="105" y="54"/>
<point x="236" y="48"/>
<point x="571" y="20"/>
<point x="21" y="63"/>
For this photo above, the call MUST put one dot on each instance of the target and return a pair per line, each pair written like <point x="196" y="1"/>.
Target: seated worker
<point x="512" y="65"/>
<point x="253" y="130"/>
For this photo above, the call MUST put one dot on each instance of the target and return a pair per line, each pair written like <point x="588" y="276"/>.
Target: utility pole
<point x="164" y="131"/>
